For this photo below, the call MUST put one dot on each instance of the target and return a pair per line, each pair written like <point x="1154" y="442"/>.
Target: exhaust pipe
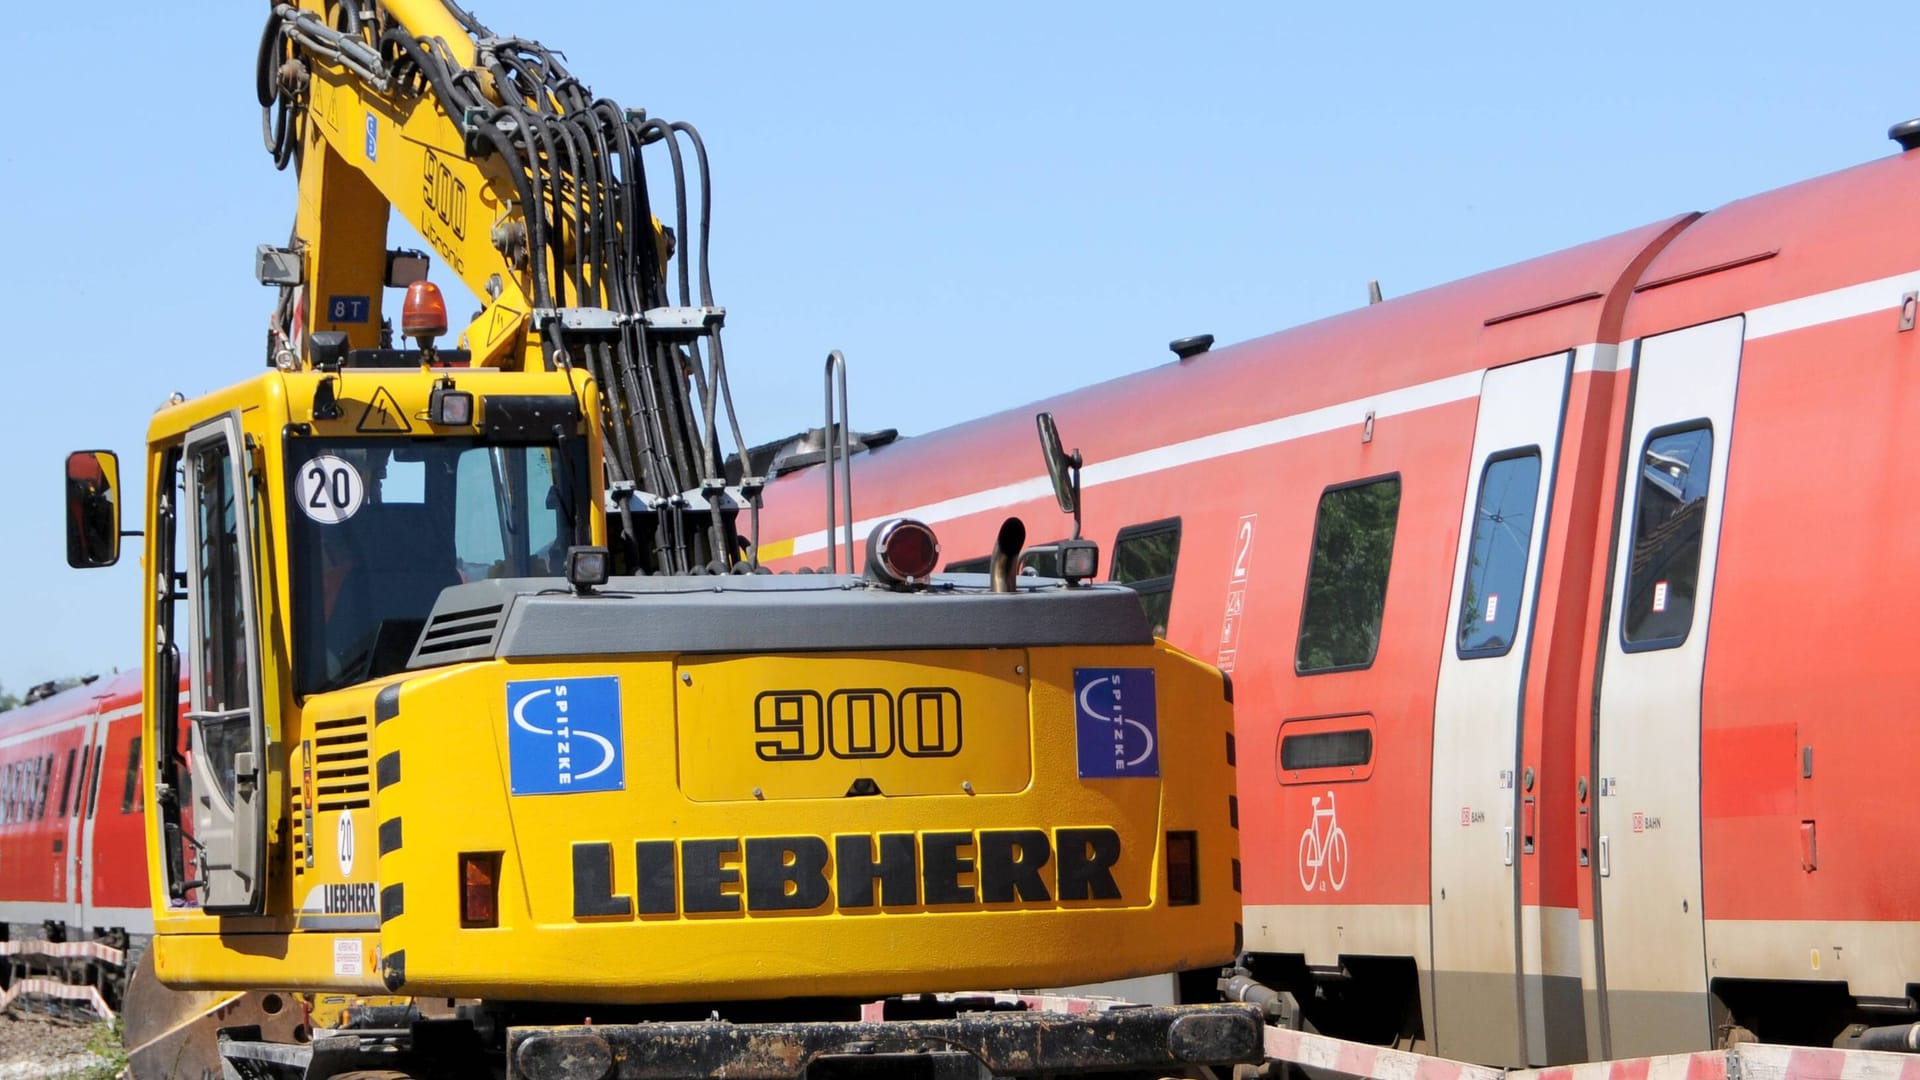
<point x="1006" y="554"/>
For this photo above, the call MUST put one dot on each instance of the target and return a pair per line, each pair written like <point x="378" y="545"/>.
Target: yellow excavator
<point x="493" y="710"/>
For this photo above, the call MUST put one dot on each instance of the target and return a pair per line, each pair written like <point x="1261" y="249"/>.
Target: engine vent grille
<point x="469" y="634"/>
<point x="342" y="778"/>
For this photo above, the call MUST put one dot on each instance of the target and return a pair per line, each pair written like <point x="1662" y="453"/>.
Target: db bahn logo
<point x="563" y="735"/>
<point x="802" y="725"/>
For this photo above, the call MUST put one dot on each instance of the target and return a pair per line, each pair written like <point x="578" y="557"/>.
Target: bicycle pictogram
<point x="1323" y="849"/>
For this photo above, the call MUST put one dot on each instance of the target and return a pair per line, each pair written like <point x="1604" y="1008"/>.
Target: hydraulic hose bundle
<point x="580" y="234"/>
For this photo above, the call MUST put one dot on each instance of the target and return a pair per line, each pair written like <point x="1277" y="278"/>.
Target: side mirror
<point x="93" y="509"/>
<point x="1063" y="468"/>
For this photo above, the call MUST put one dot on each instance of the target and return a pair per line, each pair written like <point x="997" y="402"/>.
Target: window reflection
<point x="1670" y="511"/>
<point x="1497" y="555"/>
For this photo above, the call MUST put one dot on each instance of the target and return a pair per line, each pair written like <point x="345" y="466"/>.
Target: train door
<point x="86" y="802"/>
<point x="1477" y="836"/>
<point x="1647" y="734"/>
<point x="73" y="804"/>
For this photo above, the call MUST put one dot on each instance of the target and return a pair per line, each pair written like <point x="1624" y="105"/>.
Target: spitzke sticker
<point x="563" y="735"/>
<point x="1116" y="722"/>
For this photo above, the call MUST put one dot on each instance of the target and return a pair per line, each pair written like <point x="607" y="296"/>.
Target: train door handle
<point x="1506" y="835"/>
<point x="1528" y="822"/>
<point x="1606" y="866"/>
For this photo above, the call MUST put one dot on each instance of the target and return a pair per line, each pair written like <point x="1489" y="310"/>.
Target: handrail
<point x="836" y="377"/>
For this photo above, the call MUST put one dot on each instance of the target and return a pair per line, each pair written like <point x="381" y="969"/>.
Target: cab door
<point x="1647" y="738"/>
<point x="1479" y="834"/>
<point x="225" y="722"/>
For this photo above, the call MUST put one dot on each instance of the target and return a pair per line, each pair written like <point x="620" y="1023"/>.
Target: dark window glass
<point x="1669" y="518"/>
<point x="222" y="673"/>
<point x="1347" y="577"/>
<point x="1326" y="750"/>
<point x="1041" y="560"/>
<point x="66" y="780"/>
<point x="80" y="790"/>
<point x="93" y="793"/>
<point x="1497" y="555"/>
<point x="130" y="792"/>
<point x="1144" y="557"/>
<point x="45" y="787"/>
<point x="971" y="566"/>
<point x="430" y="515"/>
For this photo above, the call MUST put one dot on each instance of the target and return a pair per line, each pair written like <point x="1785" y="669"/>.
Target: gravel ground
<point x="41" y="1048"/>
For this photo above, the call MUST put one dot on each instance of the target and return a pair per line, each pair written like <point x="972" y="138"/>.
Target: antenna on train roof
<point x="1906" y="133"/>
<point x="1373" y="292"/>
<point x="1187" y="348"/>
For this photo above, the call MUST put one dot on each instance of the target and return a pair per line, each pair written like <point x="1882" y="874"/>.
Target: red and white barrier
<point x="66" y="950"/>
<point x="54" y="988"/>
<point x="1749" y="1061"/>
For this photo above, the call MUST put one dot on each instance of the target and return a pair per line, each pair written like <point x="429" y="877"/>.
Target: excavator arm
<point x="533" y="191"/>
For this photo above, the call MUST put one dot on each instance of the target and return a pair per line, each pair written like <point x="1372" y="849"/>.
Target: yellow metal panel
<point x="799" y="727"/>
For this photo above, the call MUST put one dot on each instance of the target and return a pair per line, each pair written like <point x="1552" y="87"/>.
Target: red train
<point x="1570" y="608"/>
<point x="73" y="856"/>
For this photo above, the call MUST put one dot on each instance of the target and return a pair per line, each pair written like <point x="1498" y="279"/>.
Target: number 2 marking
<point x="1245" y="545"/>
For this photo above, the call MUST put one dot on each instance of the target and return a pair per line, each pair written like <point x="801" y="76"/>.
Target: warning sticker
<point x="1493" y="605"/>
<point x="1659" y="596"/>
<point x="383" y="414"/>
<point x="347" y="957"/>
<point x="329" y="490"/>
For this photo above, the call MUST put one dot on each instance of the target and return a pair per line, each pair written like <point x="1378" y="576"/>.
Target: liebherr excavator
<point x="491" y="707"/>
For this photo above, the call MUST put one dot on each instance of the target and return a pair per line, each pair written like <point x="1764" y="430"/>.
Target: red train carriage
<point x="73" y="857"/>
<point x="1569" y="611"/>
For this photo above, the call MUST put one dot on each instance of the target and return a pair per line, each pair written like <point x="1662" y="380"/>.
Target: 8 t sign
<point x="802" y="725"/>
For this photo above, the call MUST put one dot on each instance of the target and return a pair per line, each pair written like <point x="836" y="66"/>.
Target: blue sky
<point x="982" y="204"/>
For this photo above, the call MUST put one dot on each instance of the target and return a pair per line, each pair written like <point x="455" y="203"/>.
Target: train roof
<point x="1792" y="242"/>
<point x="117" y="690"/>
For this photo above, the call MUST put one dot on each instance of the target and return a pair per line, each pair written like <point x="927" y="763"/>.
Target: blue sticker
<point x="373" y="138"/>
<point x="563" y="735"/>
<point x="349" y="309"/>
<point x="1117" y="722"/>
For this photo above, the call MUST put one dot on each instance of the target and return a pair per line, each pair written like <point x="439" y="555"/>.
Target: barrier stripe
<point x="55" y="989"/>
<point x="66" y="950"/>
<point x="1748" y="1061"/>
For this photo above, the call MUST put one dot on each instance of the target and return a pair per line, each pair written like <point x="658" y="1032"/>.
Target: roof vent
<point x="1906" y="133"/>
<point x="1187" y="348"/>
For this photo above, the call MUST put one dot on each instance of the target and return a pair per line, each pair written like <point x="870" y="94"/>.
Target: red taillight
<point x="479" y="889"/>
<point x="903" y="551"/>
<point x="1183" y="870"/>
<point x="423" y="315"/>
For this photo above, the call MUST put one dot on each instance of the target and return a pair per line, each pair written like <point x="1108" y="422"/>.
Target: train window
<point x="1326" y="750"/>
<point x="130" y="793"/>
<point x="93" y="791"/>
<point x="44" y="787"/>
<point x="66" y="780"/>
<point x="1144" y="557"/>
<point x="1347" y="576"/>
<point x="1669" y="516"/>
<point x="971" y="566"/>
<point x="79" y="790"/>
<point x="1497" y="554"/>
<point x="1041" y="560"/>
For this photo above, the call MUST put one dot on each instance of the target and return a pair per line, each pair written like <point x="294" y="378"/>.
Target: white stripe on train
<point x="1847" y="302"/>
